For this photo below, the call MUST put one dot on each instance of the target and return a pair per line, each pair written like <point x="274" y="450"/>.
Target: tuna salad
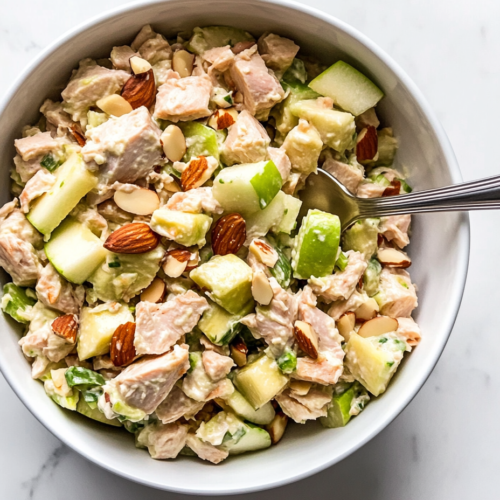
<point x="163" y="278"/>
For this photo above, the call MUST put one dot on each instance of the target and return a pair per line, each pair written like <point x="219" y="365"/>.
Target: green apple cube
<point x="75" y="251"/>
<point x="362" y="237"/>
<point x="291" y="212"/>
<point x="282" y="270"/>
<point x="338" y="412"/>
<point x="228" y="281"/>
<point x="260" y="381"/>
<point x="336" y="128"/>
<point x="200" y="141"/>
<point x="349" y="88"/>
<point x="73" y="182"/>
<point x="210" y="37"/>
<point x="97" y="326"/>
<point x="371" y="277"/>
<point x="237" y="402"/>
<point x="218" y="325"/>
<point x="247" y="188"/>
<point x="95" y="414"/>
<point x="123" y="276"/>
<point x="255" y="438"/>
<point x="260" y="223"/>
<point x="17" y="303"/>
<point x="373" y="361"/>
<point x="315" y="249"/>
<point x="184" y="228"/>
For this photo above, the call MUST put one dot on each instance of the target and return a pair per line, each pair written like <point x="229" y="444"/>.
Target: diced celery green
<point x="296" y="73"/>
<point x="282" y="270"/>
<point x="17" y="303"/>
<point x="83" y="378"/>
<point x="287" y="362"/>
<point x="200" y="140"/>
<point x="371" y="277"/>
<point x="342" y="261"/>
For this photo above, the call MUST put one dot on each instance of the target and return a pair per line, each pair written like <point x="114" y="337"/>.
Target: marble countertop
<point x="442" y="446"/>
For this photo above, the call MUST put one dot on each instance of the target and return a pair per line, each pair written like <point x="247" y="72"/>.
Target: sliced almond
<point x="307" y="338"/>
<point x="194" y="260"/>
<point x="182" y="63"/>
<point x="154" y="292"/>
<point x="139" y="65"/>
<point x="367" y="144"/>
<point x="264" y="252"/>
<point x="367" y="310"/>
<point x="139" y="201"/>
<point x="223" y="118"/>
<point x="114" y="105"/>
<point x="378" y="326"/>
<point x="176" y="262"/>
<point x="261" y="289"/>
<point x="345" y="324"/>
<point x="277" y="427"/>
<point x="391" y="257"/>
<point x="300" y="387"/>
<point x="239" y="352"/>
<point x="174" y="143"/>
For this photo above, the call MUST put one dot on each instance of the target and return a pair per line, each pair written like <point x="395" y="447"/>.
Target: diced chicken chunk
<point x="349" y="175"/>
<point x="397" y="296"/>
<point x="120" y="57"/>
<point x="303" y="146"/>
<point x="274" y="323"/>
<point x="341" y="285"/>
<point x="206" y="451"/>
<point x="409" y="330"/>
<point x="147" y="382"/>
<point x="36" y="146"/>
<point x="54" y="291"/>
<point x="124" y="148"/>
<point x="281" y="160"/>
<point x="246" y="142"/>
<point x="223" y="350"/>
<point x="370" y="190"/>
<point x="340" y="307"/>
<point x="39" y="184"/>
<point x="88" y="84"/>
<point x="395" y="228"/>
<point x="163" y="441"/>
<point x="325" y="370"/>
<point x="309" y="407"/>
<point x="195" y="201"/>
<point x="145" y="34"/>
<point x="260" y="88"/>
<point x="220" y="58"/>
<point x="155" y="49"/>
<point x="278" y="52"/>
<point x="177" y="405"/>
<point x="55" y="114"/>
<point x="183" y="99"/>
<point x="216" y="366"/>
<point x="160" y="326"/>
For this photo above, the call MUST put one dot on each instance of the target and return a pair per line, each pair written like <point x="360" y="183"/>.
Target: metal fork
<point x="324" y="192"/>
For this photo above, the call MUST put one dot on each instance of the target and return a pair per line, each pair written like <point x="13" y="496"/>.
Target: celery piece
<point x="16" y="302"/>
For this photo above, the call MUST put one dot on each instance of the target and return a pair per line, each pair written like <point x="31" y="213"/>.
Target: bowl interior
<point x="439" y="243"/>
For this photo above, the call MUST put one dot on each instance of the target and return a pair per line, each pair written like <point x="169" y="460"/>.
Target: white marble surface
<point x="445" y="444"/>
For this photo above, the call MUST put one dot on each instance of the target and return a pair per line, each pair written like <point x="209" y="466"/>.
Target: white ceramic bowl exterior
<point x="439" y="248"/>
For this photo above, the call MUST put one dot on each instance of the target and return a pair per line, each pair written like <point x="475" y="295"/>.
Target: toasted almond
<point x="277" y="427"/>
<point x="367" y="310"/>
<point x="264" y="252"/>
<point x="140" y="90"/>
<point x="229" y="234"/>
<point x="391" y="257"/>
<point x="300" y="387"/>
<point x="307" y="338"/>
<point x="139" y="201"/>
<point x="154" y="292"/>
<point x="176" y="262"/>
<point x="223" y="118"/>
<point x="196" y="173"/>
<point x="394" y="189"/>
<point x="378" y="326"/>
<point x="139" y="65"/>
<point x="345" y="324"/>
<point x="367" y="144"/>
<point x="66" y="327"/>
<point x="261" y="289"/>
<point x="174" y="143"/>
<point x="76" y="132"/>
<point x="194" y="260"/>
<point x="115" y="105"/>
<point x="239" y="352"/>
<point x="133" y="238"/>
<point x="122" y="350"/>
<point x="180" y="254"/>
<point x="241" y="46"/>
<point x="173" y="187"/>
<point x="182" y="63"/>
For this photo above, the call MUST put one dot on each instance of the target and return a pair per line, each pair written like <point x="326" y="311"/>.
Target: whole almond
<point x="394" y="189"/>
<point x="77" y="133"/>
<point x="193" y="176"/>
<point x="229" y="234"/>
<point x="133" y="238"/>
<point x="66" y="327"/>
<point x="307" y="338"/>
<point x="122" y="351"/>
<point x="140" y="90"/>
<point x="367" y="144"/>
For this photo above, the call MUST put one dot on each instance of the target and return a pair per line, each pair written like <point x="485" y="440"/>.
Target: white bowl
<point x="440" y="242"/>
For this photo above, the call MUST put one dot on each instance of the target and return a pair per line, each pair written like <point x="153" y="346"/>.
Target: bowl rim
<point x="462" y="258"/>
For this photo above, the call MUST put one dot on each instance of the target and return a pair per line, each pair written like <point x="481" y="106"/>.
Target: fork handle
<point x="482" y="194"/>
